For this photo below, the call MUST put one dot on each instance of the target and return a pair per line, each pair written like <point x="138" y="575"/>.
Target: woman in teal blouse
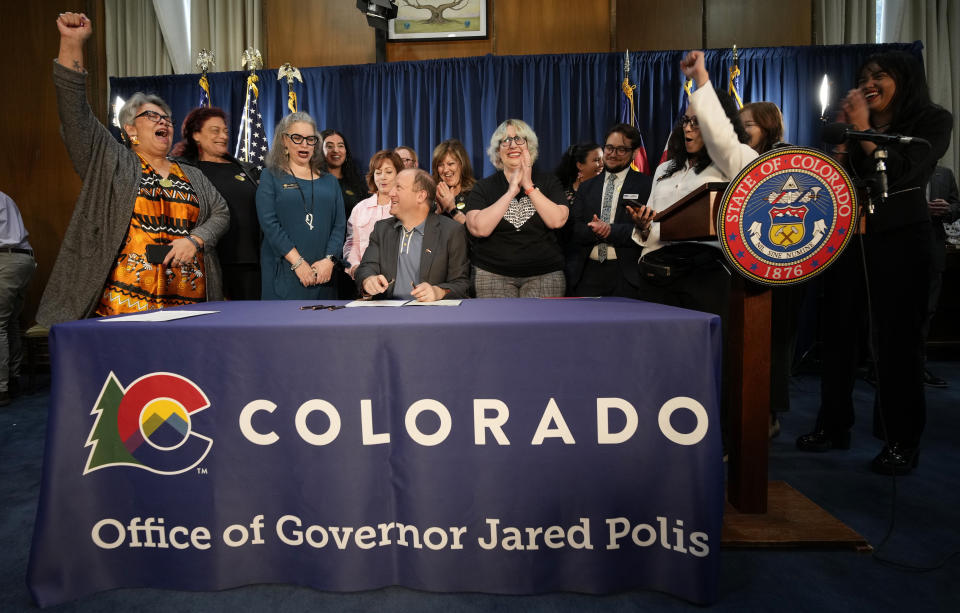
<point x="300" y="207"/>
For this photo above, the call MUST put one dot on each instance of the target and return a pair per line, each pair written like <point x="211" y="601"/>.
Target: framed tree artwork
<point x="419" y="20"/>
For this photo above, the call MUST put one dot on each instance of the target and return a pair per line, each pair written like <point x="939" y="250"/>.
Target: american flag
<point x="251" y="138"/>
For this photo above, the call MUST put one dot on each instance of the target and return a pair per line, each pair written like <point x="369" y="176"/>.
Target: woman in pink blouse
<point x="384" y="166"/>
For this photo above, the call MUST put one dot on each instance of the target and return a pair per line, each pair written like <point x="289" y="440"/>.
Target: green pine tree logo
<point x="107" y="448"/>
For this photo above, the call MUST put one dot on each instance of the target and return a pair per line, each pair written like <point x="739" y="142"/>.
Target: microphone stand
<point x="880" y="155"/>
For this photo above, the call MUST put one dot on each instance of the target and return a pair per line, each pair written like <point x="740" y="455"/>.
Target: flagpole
<point x="252" y="59"/>
<point x="732" y="80"/>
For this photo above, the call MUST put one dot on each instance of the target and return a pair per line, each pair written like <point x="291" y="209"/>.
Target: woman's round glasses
<point x="156" y="117"/>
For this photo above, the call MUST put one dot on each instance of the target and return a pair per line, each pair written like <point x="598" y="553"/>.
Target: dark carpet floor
<point x="926" y="532"/>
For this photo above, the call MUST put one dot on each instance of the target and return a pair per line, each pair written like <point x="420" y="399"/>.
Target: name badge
<point x="631" y="196"/>
<point x="290" y="186"/>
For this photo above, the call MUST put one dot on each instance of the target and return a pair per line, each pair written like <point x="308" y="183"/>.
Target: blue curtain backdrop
<point x="565" y="98"/>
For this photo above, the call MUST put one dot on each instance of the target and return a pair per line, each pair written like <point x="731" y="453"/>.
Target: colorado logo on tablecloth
<point x="787" y="216"/>
<point x="148" y="425"/>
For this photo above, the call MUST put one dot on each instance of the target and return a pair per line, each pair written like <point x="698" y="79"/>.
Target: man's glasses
<point x="299" y="139"/>
<point x="156" y="117"/>
<point x="519" y="141"/>
<point x="610" y="150"/>
<point x="684" y="120"/>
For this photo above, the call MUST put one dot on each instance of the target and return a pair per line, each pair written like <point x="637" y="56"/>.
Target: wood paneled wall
<point x="316" y="33"/>
<point x="330" y="32"/>
<point x="35" y="170"/>
<point x="551" y="26"/>
<point x="657" y="25"/>
<point x="758" y="23"/>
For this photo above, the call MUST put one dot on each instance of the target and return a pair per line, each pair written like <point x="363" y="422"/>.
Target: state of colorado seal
<point x="787" y="216"/>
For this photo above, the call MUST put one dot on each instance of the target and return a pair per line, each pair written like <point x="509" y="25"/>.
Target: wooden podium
<point x="747" y="355"/>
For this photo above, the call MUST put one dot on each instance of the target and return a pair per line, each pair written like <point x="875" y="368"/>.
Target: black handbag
<point x="667" y="264"/>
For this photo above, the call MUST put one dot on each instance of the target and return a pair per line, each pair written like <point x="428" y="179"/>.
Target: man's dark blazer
<point x="943" y="185"/>
<point x="443" y="261"/>
<point x="587" y="203"/>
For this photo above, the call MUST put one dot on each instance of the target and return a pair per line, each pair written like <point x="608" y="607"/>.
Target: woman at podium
<point x="707" y="145"/>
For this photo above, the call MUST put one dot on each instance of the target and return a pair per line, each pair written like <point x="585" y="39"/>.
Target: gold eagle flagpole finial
<point x="205" y="61"/>
<point x="290" y="73"/>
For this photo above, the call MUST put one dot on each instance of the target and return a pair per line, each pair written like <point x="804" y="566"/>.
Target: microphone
<point x="836" y="133"/>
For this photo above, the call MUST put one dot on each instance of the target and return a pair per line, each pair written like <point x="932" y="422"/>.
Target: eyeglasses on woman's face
<point x="690" y="120"/>
<point x="155" y="117"/>
<point x="299" y="139"/>
<point x="509" y="141"/>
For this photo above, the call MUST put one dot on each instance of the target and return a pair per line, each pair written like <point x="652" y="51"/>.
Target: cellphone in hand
<point x="156" y="253"/>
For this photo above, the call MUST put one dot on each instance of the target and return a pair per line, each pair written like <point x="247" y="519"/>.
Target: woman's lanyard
<point x="307" y="213"/>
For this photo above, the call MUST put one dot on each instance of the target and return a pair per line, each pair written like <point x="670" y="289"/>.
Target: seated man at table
<point x="415" y="254"/>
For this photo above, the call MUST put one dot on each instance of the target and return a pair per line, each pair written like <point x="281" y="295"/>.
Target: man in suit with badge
<point x="416" y="254"/>
<point x="605" y="255"/>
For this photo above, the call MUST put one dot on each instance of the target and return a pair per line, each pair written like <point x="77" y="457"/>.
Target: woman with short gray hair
<point x="513" y="215"/>
<point x="128" y="112"/>
<point x="144" y="227"/>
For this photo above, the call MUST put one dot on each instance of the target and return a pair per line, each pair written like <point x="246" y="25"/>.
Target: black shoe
<point x="933" y="380"/>
<point x="774" y="429"/>
<point x="896" y="459"/>
<point x="821" y="440"/>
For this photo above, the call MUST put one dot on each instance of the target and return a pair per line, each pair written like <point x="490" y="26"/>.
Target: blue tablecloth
<point x="503" y="446"/>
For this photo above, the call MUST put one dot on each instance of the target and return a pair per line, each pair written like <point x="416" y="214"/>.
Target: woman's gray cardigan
<point x="102" y="214"/>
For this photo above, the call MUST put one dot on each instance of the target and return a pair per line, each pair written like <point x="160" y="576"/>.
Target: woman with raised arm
<point x="144" y="227"/>
<point x="707" y="145"/>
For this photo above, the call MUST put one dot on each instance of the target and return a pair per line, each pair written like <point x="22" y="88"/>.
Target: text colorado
<point x="489" y="417"/>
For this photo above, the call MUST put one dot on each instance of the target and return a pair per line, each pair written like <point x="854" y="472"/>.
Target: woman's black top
<point x="241" y="243"/>
<point x="909" y="168"/>
<point x="521" y="245"/>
